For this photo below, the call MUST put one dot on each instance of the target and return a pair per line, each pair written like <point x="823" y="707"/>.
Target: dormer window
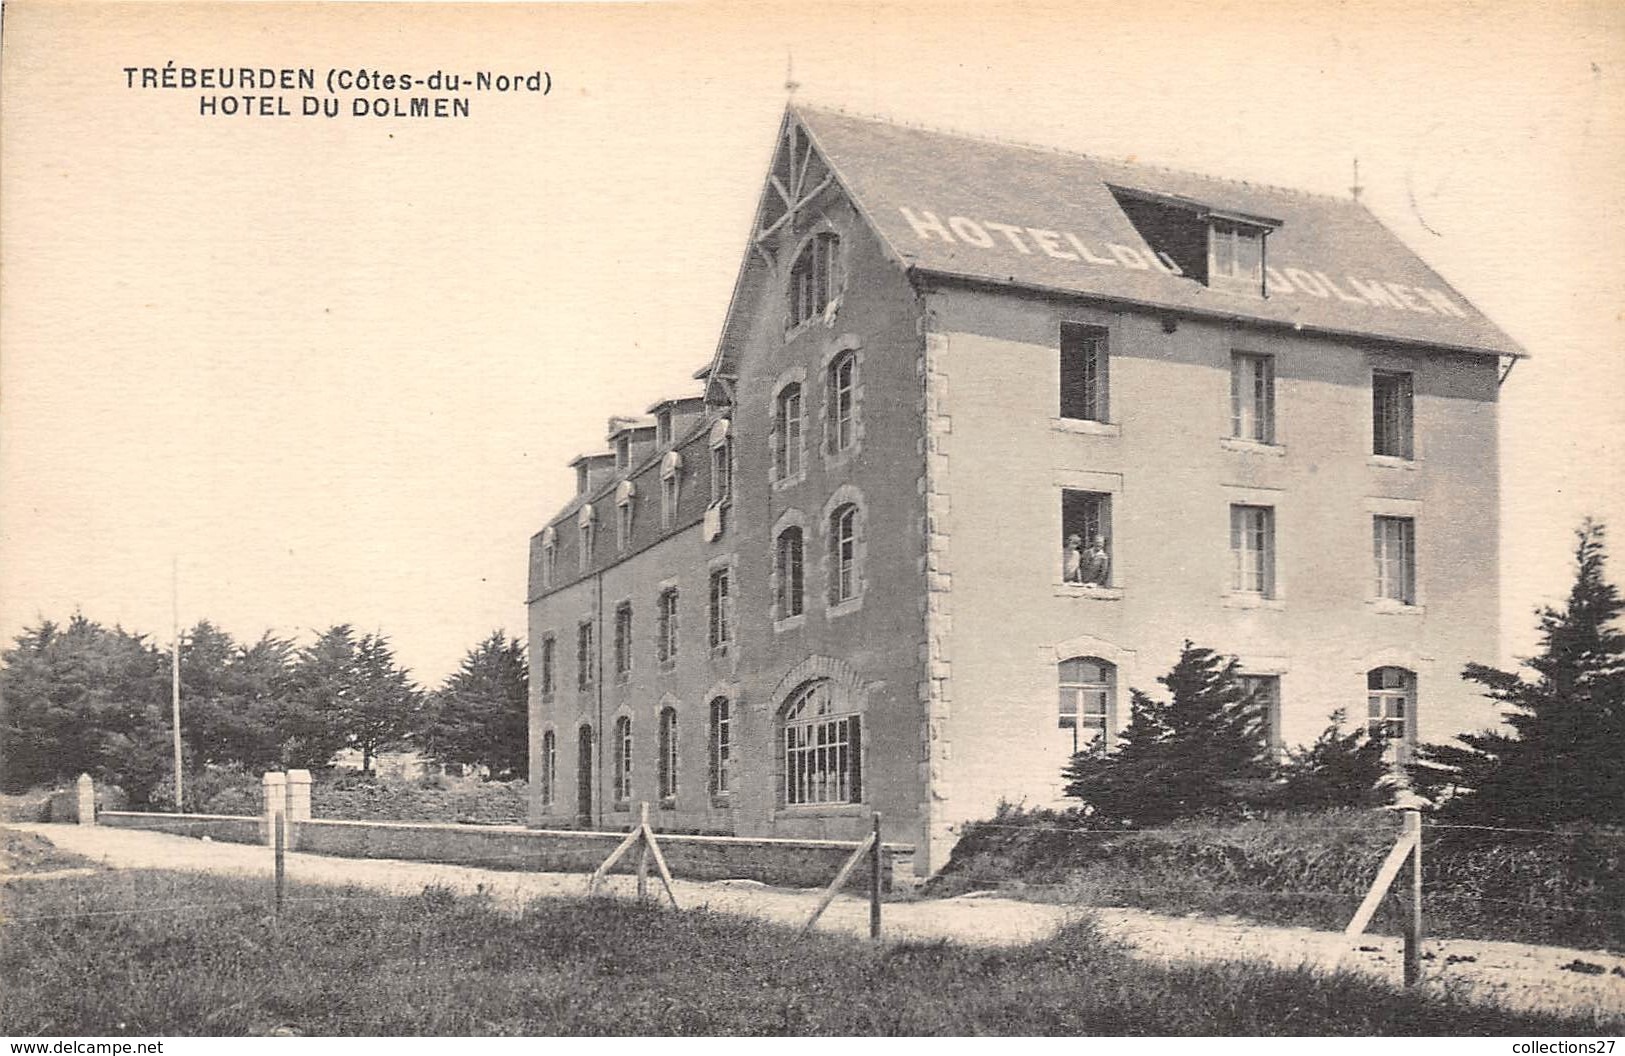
<point x="623" y="452"/>
<point x="814" y="278"/>
<point x="581" y="478"/>
<point x="1235" y="255"/>
<point x="663" y="429"/>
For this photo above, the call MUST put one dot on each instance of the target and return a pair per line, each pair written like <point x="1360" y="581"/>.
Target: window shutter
<point x="854" y="749"/>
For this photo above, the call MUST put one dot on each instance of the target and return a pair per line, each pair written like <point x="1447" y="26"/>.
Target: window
<point x="623" y="761"/>
<point x="841" y="381"/>
<point x="584" y="655"/>
<point x="550" y="558"/>
<point x="623" y="640"/>
<point x="1087" y="700"/>
<point x="1235" y="255"/>
<point x="671" y="474"/>
<point x="623" y="453"/>
<point x="1264" y="692"/>
<point x="1393" y="549"/>
<point x="1083" y="372"/>
<point x="666" y="626"/>
<point x="1252" y="397"/>
<point x="549" y="767"/>
<point x="584" y="523"/>
<point x="582" y="478"/>
<point x="663" y="429"/>
<point x="1086" y="525"/>
<point x="787" y="433"/>
<point x="814" y="278"/>
<point x="625" y="496"/>
<point x="1391" y="423"/>
<point x="668" y="755"/>
<point x="843" y="554"/>
<point x="721" y="473"/>
<point x="1390" y="702"/>
<point x="720" y="735"/>
<point x="547" y="666"/>
<point x="788" y="569"/>
<point x="821" y="748"/>
<point x="721" y="611"/>
<point x="1252" y="550"/>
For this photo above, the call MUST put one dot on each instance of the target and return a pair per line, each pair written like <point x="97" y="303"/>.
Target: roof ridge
<point x="1050" y="148"/>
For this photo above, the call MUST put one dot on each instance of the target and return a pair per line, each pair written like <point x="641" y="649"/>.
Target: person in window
<point x="1072" y="559"/>
<point x="1095" y="563"/>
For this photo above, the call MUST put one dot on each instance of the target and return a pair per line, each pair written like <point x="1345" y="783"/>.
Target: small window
<point x="788" y="569"/>
<point x="721" y="746"/>
<point x="666" y="633"/>
<point x="549" y="767"/>
<point x="1087" y="701"/>
<point x="1252" y="397"/>
<point x="663" y="429"/>
<point x="1086" y="537"/>
<point x="582" y="478"/>
<point x="671" y="474"/>
<point x="721" y="463"/>
<point x="842" y="381"/>
<point x="623" y="640"/>
<point x="1083" y="373"/>
<point x="1390" y="704"/>
<point x="550" y="558"/>
<point x="814" y="278"/>
<point x="843" y="554"/>
<point x="822" y="748"/>
<point x="721" y="611"/>
<point x="585" y="525"/>
<point x="623" y="761"/>
<point x="1236" y="255"/>
<point x="623" y="453"/>
<point x="584" y="655"/>
<point x="1263" y="692"/>
<point x="625" y="504"/>
<point x="546" y="664"/>
<point x="668" y="755"/>
<point x="1393" y="549"/>
<point x="1252" y="550"/>
<point x="787" y="433"/>
<point x="1391" y="415"/>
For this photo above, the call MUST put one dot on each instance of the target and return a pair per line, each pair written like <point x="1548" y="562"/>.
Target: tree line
<point x="80" y="697"/>
<point x="1559" y="760"/>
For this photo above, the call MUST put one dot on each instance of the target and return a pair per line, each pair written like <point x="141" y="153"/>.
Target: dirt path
<point x="1511" y="974"/>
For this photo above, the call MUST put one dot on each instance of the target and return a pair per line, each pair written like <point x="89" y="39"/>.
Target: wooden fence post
<point x="874" y="880"/>
<point x="643" y="852"/>
<point x="1413" y="928"/>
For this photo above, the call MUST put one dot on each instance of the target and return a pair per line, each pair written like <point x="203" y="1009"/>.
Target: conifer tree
<point x="1195" y="753"/>
<point x="1563" y="759"/>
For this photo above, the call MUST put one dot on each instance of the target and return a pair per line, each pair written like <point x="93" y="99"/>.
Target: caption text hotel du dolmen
<point x="303" y="91"/>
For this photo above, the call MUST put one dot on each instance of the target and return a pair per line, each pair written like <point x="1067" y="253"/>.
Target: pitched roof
<point x="953" y="205"/>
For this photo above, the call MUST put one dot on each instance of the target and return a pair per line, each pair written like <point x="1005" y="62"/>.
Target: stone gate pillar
<point x="274" y="804"/>
<point x="298" y="796"/>
<point x="86" y="800"/>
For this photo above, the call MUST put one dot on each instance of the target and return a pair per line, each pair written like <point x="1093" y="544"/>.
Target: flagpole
<point x="175" y="673"/>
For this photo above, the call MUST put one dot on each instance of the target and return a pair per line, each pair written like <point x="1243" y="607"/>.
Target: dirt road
<point x="1511" y="974"/>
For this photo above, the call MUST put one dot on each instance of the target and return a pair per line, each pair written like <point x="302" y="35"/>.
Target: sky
<point x="332" y="370"/>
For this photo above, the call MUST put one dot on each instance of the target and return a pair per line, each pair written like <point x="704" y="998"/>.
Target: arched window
<point x="814" y="278"/>
<point x="1088" y="704"/>
<point x="623" y="760"/>
<point x="822" y="747"/>
<point x="549" y="766"/>
<point x="788" y="567"/>
<point x="787" y="433"/>
<point x="1391" y="704"/>
<point x="668" y="754"/>
<point x="841" y="382"/>
<point x="720" y="736"/>
<point x="843" y="554"/>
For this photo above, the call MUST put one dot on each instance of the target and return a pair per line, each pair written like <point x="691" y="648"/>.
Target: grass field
<point x="145" y="953"/>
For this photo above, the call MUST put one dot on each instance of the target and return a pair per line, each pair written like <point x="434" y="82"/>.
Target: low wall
<point x="791" y="863"/>
<point x="224" y="827"/>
